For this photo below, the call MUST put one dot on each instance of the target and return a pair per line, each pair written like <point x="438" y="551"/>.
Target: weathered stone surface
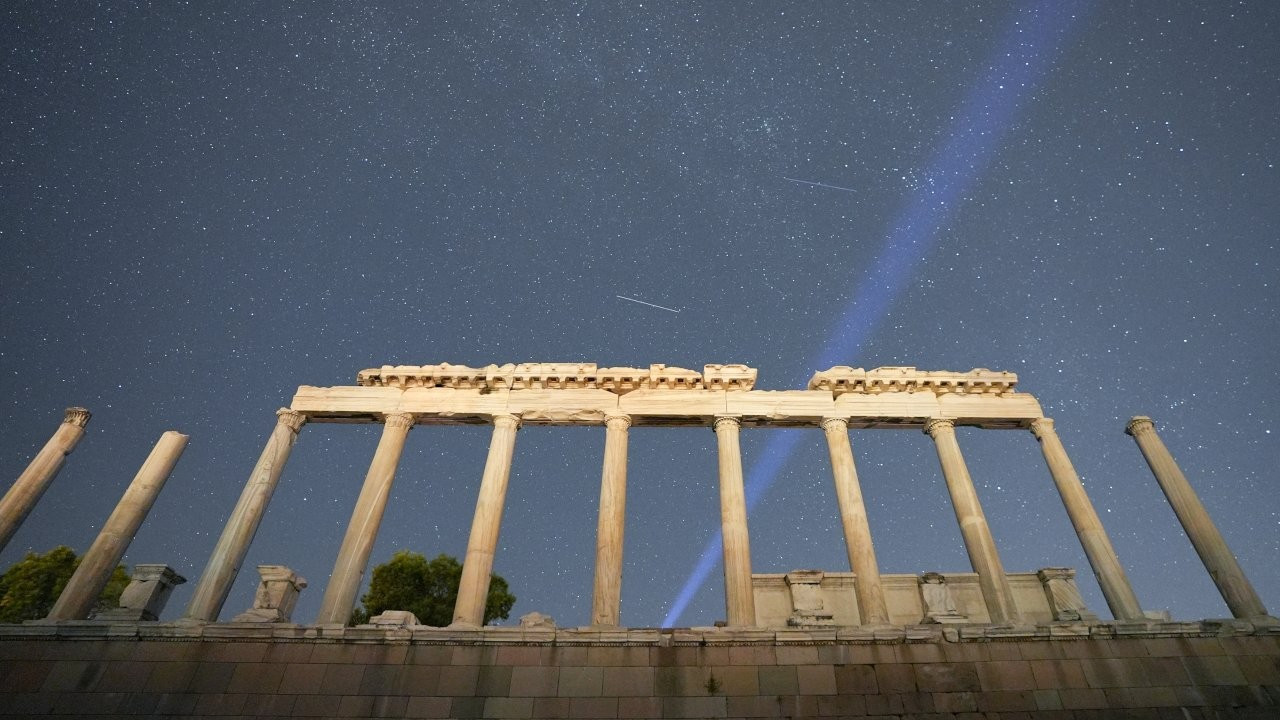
<point x="276" y="597"/>
<point x="145" y="596"/>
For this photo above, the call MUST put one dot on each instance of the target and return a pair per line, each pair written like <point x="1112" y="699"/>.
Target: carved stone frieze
<point x="844" y="379"/>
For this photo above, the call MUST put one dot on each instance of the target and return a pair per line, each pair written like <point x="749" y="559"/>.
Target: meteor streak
<point x="818" y="184"/>
<point x="624" y="297"/>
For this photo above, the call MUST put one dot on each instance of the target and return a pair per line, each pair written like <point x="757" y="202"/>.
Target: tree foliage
<point x="30" y="586"/>
<point x="428" y="589"/>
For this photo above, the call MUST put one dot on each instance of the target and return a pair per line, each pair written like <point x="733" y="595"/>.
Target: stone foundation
<point x="1223" y="669"/>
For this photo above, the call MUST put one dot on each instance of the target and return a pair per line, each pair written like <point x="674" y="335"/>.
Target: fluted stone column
<point x="224" y="564"/>
<point x="738" y="595"/>
<point x="477" y="568"/>
<point x="853" y="517"/>
<point x="1097" y="546"/>
<point x="978" y="541"/>
<point x="1241" y="598"/>
<point x="366" y="518"/>
<point x="606" y="597"/>
<point x="43" y="468"/>
<point x="91" y="576"/>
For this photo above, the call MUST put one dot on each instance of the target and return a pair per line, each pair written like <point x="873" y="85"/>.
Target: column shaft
<point x="43" y="468"/>
<point x="1097" y="546"/>
<point x="606" y="597"/>
<point x="857" y="531"/>
<point x="1236" y="589"/>
<point x="224" y="564"/>
<point x="978" y="541"/>
<point x="93" y="573"/>
<point x="366" y="518"/>
<point x="477" y="568"/>
<point x="738" y="594"/>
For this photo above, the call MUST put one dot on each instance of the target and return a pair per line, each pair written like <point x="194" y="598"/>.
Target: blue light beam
<point x="1030" y="43"/>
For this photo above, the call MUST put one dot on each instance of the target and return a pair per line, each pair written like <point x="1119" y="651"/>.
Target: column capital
<point x="933" y="426"/>
<point x="291" y="419"/>
<point x="398" y="420"/>
<point x="506" y="420"/>
<point x="837" y="423"/>
<point x="1041" y="427"/>
<point x="617" y="421"/>
<point x="77" y="416"/>
<point x="1140" y="424"/>
<point x="735" y="420"/>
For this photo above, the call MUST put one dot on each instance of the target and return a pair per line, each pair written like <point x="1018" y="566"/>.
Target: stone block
<point x="842" y="705"/>
<point x="1221" y="670"/>
<point x="272" y="705"/>
<point x="796" y="654"/>
<point x="301" y="679"/>
<point x="73" y="676"/>
<point x="602" y="707"/>
<point x="1006" y="675"/>
<point x="1053" y="674"/>
<point x="176" y="704"/>
<point x="220" y="704"/>
<point x="947" y="677"/>
<point x="534" y="681"/>
<point x="1047" y="699"/>
<point x="694" y="707"/>
<point x="505" y="707"/>
<point x="1007" y="701"/>
<point x="955" y="702"/>
<point x="624" y="681"/>
<point x="1082" y="698"/>
<point x="896" y="678"/>
<point x="816" y="679"/>
<point x="779" y="680"/>
<point x="276" y="597"/>
<point x="315" y="705"/>
<point x="211" y="677"/>
<point x="380" y="680"/>
<point x="341" y="679"/>
<point x="235" y="652"/>
<point x="638" y="707"/>
<point x="681" y="681"/>
<point x="355" y="706"/>
<point x="427" y="707"/>
<point x="256" y="678"/>
<point x="288" y="652"/>
<point x="1260" y="669"/>
<point x="458" y="680"/>
<point x="418" y="680"/>
<point x="522" y="655"/>
<point x="389" y="706"/>
<point x="1114" y="672"/>
<point x="751" y="706"/>
<point x="581" y="682"/>
<point x="857" y="679"/>
<point x="1146" y="697"/>
<point x="125" y="676"/>
<point x="145" y="596"/>
<point x="494" y="680"/>
<point x="467" y="707"/>
<point x="752" y="655"/>
<point x="17" y="676"/>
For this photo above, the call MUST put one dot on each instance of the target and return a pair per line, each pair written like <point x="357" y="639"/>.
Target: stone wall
<point x="1172" y="670"/>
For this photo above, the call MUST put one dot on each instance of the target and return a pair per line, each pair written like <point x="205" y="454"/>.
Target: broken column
<point x="93" y="573"/>
<point x="276" y="597"/>
<point x="145" y="597"/>
<point x="40" y="472"/>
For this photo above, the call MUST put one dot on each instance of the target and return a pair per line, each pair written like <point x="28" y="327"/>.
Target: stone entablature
<point x="559" y="376"/>
<point x="844" y="379"/>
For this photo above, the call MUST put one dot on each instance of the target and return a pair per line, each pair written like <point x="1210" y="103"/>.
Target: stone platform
<point x="1208" y="669"/>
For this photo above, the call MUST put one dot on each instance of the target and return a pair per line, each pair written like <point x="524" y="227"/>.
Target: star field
<point x="203" y="207"/>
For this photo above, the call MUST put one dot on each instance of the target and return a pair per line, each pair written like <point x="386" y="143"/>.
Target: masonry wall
<point x="301" y="673"/>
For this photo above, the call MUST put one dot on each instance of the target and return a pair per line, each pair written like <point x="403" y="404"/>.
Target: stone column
<point x="44" y="467"/>
<point x="93" y="573"/>
<point x="1097" y="546"/>
<point x="477" y="568"/>
<point x="366" y="518"/>
<point x="853" y="517"/>
<point x="973" y="523"/>
<point x="606" y="597"/>
<point x="738" y="595"/>
<point x="1241" y="598"/>
<point x="224" y="564"/>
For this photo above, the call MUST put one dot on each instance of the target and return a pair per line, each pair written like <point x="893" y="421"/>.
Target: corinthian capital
<point x="1041" y="427"/>
<point x="835" y="424"/>
<point x="399" y="420"/>
<point x="934" y="426"/>
<point x="617" y="421"/>
<point x="291" y="419"/>
<point x="733" y="420"/>
<point x="77" y="416"/>
<point x="506" y="420"/>
<point x="1140" y="424"/>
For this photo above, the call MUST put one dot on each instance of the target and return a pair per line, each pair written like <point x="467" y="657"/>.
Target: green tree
<point x="30" y="586"/>
<point x="428" y="589"/>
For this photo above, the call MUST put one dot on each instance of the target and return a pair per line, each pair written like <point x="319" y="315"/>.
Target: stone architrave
<point x="1242" y="599"/>
<point x="276" y="597"/>
<point x="1065" y="601"/>
<point x="145" y="597"/>
<point x="606" y="596"/>
<point x="1093" y="538"/>
<point x="477" y="568"/>
<point x="93" y="573"/>
<point x="224" y="564"/>
<point x="738" y="593"/>
<point x="366" y="518"/>
<point x="807" y="608"/>
<point x="43" y="468"/>
<point x="981" y="546"/>
<point x="939" y="603"/>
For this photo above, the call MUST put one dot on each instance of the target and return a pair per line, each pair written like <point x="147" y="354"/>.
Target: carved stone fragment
<point x="1064" y="597"/>
<point x="939" y="604"/>
<point x="276" y="597"/>
<point x="145" y="596"/>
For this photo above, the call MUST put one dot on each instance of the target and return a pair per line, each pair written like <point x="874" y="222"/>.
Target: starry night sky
<point x="202" y="208"/>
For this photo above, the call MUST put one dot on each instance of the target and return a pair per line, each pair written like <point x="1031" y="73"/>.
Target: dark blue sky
<point x="203" y="208"/>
